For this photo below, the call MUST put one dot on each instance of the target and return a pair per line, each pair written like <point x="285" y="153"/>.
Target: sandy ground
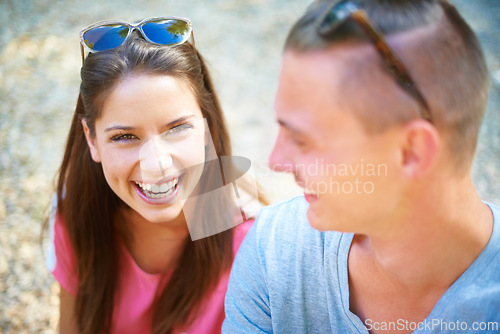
<point x="39" y="80"/>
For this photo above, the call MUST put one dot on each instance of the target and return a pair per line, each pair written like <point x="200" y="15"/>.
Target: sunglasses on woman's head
<point x="106" y="35"/>
<point x="339" y="13"/>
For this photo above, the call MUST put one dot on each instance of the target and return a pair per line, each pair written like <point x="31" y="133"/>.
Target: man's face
<point x="349" y="176"/>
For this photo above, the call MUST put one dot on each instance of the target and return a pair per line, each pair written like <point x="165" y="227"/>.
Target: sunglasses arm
<point x="393" y="64"/>
<point x="192" y="37"/>
<point x="82" y="51"/>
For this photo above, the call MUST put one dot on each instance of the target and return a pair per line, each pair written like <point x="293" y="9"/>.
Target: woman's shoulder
<point x="240" y="231"/>
<point x="60" y="256"/>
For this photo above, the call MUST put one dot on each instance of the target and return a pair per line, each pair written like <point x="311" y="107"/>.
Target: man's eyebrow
<point x="168" y="125"/>
<point x="289" y="127"/>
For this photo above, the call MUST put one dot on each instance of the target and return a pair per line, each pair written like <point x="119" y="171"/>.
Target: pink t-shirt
<point x="133" y="311"/>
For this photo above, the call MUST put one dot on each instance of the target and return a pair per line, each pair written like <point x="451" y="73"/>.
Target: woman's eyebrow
<point x="119" y="127"/>
<point x="178" y="120"/>
<point x="168" y="125"/>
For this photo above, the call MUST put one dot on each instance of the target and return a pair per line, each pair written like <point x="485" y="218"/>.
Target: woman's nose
<point x="155" y="158"/>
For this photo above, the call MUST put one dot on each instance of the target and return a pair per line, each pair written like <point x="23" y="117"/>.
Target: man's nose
<point x="280" y="158"/>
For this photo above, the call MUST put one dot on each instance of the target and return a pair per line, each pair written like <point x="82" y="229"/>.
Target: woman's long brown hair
<point x="87" y="204"/>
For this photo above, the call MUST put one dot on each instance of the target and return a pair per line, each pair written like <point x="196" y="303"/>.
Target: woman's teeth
<point x="158" y="190"/>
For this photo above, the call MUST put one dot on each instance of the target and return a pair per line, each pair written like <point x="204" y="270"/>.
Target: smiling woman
<point x="145" y="128"/>
<point x="152" y="158"/>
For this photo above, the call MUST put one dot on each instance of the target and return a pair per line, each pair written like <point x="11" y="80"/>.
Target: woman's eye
<point x="123" y="136"/>
<point x="180" y="127"/>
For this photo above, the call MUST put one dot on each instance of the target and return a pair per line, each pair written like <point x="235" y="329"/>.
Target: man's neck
<point x="402" y="274"/>
<point x="448" y="233"/>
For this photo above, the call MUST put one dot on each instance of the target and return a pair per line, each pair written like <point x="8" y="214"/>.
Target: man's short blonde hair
<point x="447" y="65"/>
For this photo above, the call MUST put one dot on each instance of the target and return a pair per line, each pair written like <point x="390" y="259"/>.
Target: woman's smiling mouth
<point x="158" y="190"/>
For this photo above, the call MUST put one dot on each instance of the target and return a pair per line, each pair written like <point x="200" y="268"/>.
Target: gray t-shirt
<point x="290" y="278"/>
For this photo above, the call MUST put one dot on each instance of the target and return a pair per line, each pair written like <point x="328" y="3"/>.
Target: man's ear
<point x="421" y="147"/>
<point x="91" y="141"/>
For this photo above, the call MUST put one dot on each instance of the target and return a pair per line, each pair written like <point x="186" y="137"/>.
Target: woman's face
<point x="150" y="140"/>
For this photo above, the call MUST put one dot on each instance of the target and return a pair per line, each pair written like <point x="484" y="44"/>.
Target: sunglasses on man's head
<point x="106" y="35"/>
<point x="339" y="13"/>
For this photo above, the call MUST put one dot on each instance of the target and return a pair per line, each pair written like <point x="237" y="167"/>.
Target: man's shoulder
<point x="294" y="207"/>
<point x="495" y="209"/>
<point x="284" y="222"/>
<point x="493" y="246"/>
<point x="285" y="216"/>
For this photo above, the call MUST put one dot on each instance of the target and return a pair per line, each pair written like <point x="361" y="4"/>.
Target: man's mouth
<point x="310" y="195"/>
<point x="309" y="192"/>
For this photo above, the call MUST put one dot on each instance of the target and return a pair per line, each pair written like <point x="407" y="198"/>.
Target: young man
<point x="379" y="105"/>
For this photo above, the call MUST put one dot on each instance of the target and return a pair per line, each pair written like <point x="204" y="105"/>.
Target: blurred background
<point x="39" y="81"/>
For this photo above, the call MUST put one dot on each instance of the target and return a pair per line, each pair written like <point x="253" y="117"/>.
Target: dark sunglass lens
<point x="167" y="32"/>
<point x="106" y="37"/>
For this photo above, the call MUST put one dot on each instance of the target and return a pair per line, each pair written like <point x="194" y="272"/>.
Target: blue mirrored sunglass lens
<point x="336" y="16"/>
<point x="166" y="32"/>
<point x="106" y="37"/>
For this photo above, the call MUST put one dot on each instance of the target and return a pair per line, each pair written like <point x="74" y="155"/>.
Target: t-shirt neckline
<point x="474" y="270"/>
